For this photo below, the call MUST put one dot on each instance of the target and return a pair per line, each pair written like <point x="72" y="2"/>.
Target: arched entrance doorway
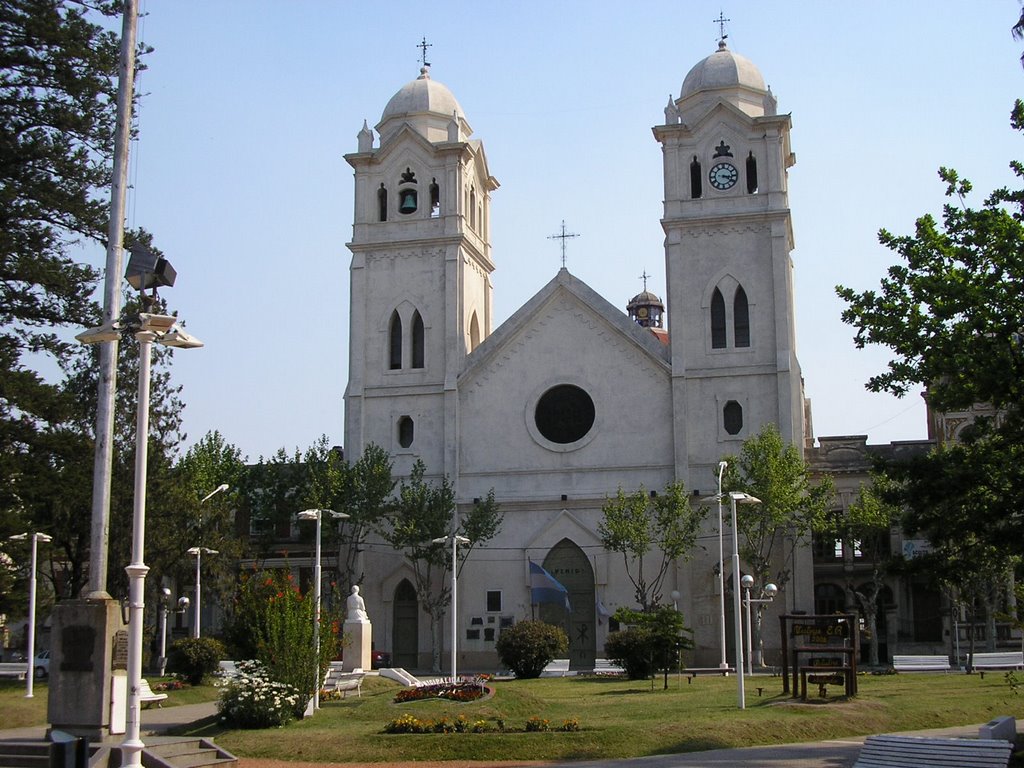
<point x="568" y="563"/>
<point x="406" y="640"/>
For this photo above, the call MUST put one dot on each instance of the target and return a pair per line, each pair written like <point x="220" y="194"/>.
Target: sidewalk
<point x="155" y="721"/>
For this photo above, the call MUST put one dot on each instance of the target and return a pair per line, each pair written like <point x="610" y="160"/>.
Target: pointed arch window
<point x="741" y="318"/>
<point x="472" y="208"/>
<point x="382" y="203"/>
<point x="474" y="333"/>
<point x="696" y="178"/>
<point x="395" y="342"/>
<point x="417" y="340"/>
<point x="751" y="174"/>
<point x="717" y="320"/>
<point x="435" y="199"/>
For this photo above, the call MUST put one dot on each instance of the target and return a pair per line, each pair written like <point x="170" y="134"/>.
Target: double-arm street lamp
<point x="737" y="497"/>
<point x="198" y="553"/>
<point x="456" y="540"/>
<point x="31" y="662"/>
<point x="165" y="608"/>
<point x="317" y="515"/>
<point x="769" y="592"/>
<point x="145" y="270"/>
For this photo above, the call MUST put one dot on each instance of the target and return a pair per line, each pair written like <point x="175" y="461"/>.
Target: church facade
<point x="571" y="397"/>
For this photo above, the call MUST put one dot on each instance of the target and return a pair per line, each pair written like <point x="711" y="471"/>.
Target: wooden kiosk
<point x="821" y="649"/>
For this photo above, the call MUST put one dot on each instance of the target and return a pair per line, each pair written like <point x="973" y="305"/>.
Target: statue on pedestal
<point x="356" y="608"/>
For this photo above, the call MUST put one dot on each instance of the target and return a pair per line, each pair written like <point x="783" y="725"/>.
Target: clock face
<point x="723" y="175"/>
<point x="642" y="312"/>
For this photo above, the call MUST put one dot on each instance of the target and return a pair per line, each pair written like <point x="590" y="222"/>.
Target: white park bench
<point x="147" y="695"/>
<point x="912" y="752"/>
<point x="920" y="663"/>
<point x="1001" y="660"/>
<point x="15" y="669"/>
<point x="343" y="682"/>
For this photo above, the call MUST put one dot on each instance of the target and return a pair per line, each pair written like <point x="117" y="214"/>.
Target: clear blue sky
<point x="248" y="107"/>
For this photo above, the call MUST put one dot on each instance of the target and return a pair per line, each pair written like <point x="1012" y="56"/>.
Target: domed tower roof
<point x="726" y="75"/>
<point x="428" y="106"/>
<point x="646" y="309"/>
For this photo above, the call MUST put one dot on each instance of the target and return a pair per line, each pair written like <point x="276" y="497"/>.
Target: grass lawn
<point x="620" y="718"/>
<point x="19" y="712"/>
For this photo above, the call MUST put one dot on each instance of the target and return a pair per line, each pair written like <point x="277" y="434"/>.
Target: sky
<point x="247" y="108"/>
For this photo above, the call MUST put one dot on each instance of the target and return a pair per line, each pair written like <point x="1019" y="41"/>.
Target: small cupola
<point x="646" y="309"/>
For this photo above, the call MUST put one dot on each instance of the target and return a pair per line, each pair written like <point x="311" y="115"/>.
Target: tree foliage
<point x="653" y="640"/>
<point x="790" y="506"/>
<point x="529" y="646"/>
<point x="638" y="524"/>
<point x="425" y="511"/>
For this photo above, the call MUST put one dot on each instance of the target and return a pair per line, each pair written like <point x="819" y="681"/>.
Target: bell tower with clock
<point x="728" y="237"/>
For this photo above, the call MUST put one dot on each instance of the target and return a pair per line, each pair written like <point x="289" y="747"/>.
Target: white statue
<point x="356" y="607"/>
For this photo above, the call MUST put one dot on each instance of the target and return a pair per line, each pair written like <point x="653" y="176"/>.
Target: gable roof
<point x="566" y="283"/>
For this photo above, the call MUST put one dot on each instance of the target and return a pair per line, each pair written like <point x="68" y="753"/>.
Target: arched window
<point x="435" y="199"/>
<point x="417" y="340"/>
<point x="407" y="201"/>
<point x="474" y="333"/>
<point x="732" y="417"/>
<point x="382" y="203"/>
<point x="751" y="174"/>
<point x="829" y="598"/>
<point x="717" y="320"/>
<point x="696" y="178"/>
<point x="406" y="431"/>
<point x="395" y="342"/>
<point x="472" y="208"/>
<point x="741" y="318"/>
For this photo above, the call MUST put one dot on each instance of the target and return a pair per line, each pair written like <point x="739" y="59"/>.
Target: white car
<point x="41" y="665"/>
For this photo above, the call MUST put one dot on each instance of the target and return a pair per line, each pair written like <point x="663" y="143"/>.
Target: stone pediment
<point x="566" y="297"/>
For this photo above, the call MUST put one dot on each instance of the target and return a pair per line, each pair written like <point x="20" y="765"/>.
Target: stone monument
<point x="360" y="634"/>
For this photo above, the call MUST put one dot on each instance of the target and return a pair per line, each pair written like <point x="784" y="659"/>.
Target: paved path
<point x="838" y="753"/>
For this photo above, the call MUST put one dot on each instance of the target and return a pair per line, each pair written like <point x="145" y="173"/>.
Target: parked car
<point x="41" y="665"/>
<point x="380" y="659"/>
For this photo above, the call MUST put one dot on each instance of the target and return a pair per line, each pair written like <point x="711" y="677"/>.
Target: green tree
<point x="638" y="524"/>
<point x="654" y="640"/>
<point x="272" y="494"/>
<point x="529" y="646"/>
<point x="425" y="511"/>
<point x="58" y="73"/>
<point x="865" y="528"/>
<point x="950" y="310"/>
<point x="790" y="507"/>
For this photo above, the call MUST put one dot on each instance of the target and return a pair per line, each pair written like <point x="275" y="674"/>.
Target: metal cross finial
<point x="563" y="236"/>
<point x="720" y="21"/>
<point x="423" y="48"/>
<point x="644" y="277"/>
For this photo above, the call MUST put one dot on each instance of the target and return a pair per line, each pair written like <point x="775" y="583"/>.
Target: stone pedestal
<point x="83" y="653"/>
<point x="357" y="652"/>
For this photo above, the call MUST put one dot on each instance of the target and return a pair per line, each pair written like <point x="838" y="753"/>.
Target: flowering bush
<point x="409" y="724"/>
<point x="572" y="724"/>
<point x="461" y="692"/>
<point x="251" y="699"/>
<point x="537" y="724"/>
<point x="170" y="685"/>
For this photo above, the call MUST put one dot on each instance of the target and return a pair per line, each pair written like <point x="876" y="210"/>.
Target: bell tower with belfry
<point x="421" y="293"/>
<point x="729" y="274"/>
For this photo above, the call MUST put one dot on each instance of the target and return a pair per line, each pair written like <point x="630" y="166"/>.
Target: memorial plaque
<point x="119" y="657"/>
<point x="78" y="646"/>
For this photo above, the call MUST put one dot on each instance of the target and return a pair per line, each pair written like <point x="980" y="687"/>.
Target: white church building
<point x="572" y="396"/>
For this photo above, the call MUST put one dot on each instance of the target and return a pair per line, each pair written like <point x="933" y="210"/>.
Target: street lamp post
<point x="198" y="552"/>
<point x="770" y="590"/>
<point x="317" y="515"/>
<point x="165" y="597"/>
<point x="31" y="662"/>
<point x="737" y="497"/>
<point x="456" y="540"/>
<point x="723" y="664"/>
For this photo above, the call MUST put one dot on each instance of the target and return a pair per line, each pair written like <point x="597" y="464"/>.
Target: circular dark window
<point x="564" y="414"/>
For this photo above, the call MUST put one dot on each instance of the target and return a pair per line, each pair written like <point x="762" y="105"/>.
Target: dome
<point x="722" y="69"/>
<point x="426" y="105"/>
<point x="422" y="95"/>
<point x="646" y="309"/>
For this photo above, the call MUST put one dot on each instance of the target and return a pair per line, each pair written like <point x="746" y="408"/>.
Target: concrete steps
<point x="24" y="754"/>
<point x="185" y="753"/>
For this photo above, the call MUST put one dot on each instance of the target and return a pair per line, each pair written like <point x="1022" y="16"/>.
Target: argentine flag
<point x="545" y="588"/>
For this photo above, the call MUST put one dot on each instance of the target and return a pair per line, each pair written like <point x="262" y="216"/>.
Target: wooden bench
<point x="1001" y="660"/>
<point x="147" y="696"/>
<point x="607" y="667"/>
<point x="912" y="752"/>
<point x="921" y="663"/>
<point x="14" y="669"/>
